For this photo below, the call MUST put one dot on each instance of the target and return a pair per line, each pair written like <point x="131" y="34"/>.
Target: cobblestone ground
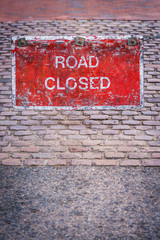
<point x="116" y="137"/>
<point x="79" y="203"/>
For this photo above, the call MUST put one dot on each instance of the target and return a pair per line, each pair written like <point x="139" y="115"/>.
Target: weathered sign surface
<point x="93" y="72"/>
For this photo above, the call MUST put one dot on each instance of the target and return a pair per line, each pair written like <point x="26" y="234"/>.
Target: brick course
<point x="109" y="138"/>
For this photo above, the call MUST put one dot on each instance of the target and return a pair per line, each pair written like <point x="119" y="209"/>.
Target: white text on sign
<point x="72" y="62"/>
<point x="71" y="83"/>
<point x="83" y="83"/>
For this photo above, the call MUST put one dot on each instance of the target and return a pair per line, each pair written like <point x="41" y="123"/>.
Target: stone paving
<point x="79" y="203"/>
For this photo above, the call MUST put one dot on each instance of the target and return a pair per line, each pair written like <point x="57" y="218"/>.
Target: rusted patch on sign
<point x="93" y="72"/>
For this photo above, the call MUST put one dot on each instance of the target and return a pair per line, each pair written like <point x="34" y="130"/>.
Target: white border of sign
<point x="36" y="38"/>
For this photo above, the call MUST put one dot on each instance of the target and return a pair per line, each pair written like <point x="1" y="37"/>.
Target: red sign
<point x="77" y="73"/>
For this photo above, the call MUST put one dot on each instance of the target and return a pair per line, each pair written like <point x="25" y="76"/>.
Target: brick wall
<point x="111" y="137"/>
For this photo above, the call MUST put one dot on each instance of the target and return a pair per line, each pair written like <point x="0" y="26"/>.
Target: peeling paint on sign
<point x="94" y="72"/>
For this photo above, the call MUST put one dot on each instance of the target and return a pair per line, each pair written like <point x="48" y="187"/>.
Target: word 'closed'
<point x="83" y="83"/>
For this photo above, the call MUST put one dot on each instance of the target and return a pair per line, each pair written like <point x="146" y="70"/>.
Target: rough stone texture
<point x="131" y="137"/>
<point x="94" y="203"/>
<point x="74" y="9"/>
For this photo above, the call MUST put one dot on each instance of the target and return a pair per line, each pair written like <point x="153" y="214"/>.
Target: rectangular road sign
<point x="68" y="72"/>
